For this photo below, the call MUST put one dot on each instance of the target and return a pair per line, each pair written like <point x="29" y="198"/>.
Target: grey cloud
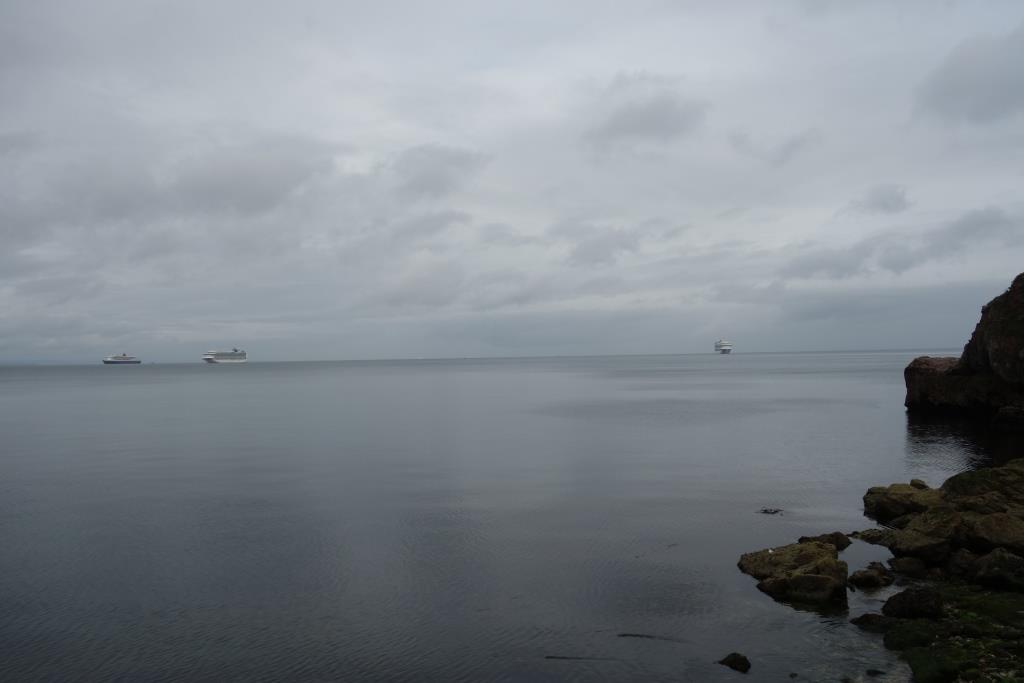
<point x="833" y="263"/>
<point x="598" y="244"/>
<point x="898" y="251"/>
<point x="883" y="198"/>
<point x="642" y="108"/>
<point x="431" y="171"/>
<point x="430" y="285"/>
<point x="14" y="142"/>
<point x="991" y="224"/>
<point x="979" y="82"/>
<point x="428" y="225"/>
<point x="251" y="177"/>
<point x="660" y="118"/>
<point x="503" y="234"/>
<point x="778" y="154"/>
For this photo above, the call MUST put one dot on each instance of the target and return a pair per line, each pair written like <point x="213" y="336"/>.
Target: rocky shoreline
<point x="957" y="550"/>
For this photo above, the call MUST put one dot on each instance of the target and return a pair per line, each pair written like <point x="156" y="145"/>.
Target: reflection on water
<point x="958" y="444"/>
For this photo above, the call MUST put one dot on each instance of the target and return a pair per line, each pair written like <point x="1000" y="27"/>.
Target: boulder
<point x="875" y="575"/>
<point x="961" y="563"/>
<point x="1000" y="569"/>
<point x="808" y="573"/>
<point x="886" y="503"/>
<point x="914" y="567"/>
<point x="836" y="538"/>
<point x="987" y="490"/>
<point x="914" y="603"/>
<point x="998" y="530"/>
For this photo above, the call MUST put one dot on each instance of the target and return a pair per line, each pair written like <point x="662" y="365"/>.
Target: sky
<point x="334" y="180"/>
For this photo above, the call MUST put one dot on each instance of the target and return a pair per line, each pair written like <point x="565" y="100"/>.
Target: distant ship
<point x="722" y="346"/>
<point x="121" y="359"/>
<point x="232" y="356"/>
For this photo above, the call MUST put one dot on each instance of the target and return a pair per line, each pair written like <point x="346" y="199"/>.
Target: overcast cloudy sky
<point x="365" y="180"/>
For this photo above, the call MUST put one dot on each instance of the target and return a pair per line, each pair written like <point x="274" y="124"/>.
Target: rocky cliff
<point x="987" y="381"/>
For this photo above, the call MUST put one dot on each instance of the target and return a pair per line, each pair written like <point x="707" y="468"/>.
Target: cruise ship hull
<point x="113" y="361"/>
<point x="222" y="361"/>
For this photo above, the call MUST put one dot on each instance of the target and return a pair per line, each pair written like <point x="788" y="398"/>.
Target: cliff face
<point x="988" y="379"/>
<point x="997" y="345"/>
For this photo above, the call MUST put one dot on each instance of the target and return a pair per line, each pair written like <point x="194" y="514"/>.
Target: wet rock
<point x="736" y="661"/>
<point x="997" y="530"/>
<point x="808" y="573"/>
<point x="1000" y="569"/>
<point x="908" y="633"/>
<point x="836" y="538"/>
<point x="913" y="544"/>
<point x="961" y="563"/>
<point x="914" y="567"/>
<point x="885" y="503"/>
<point x="874" y="673"/>
<point x="902" y="521"/>
<point x="875" y="575"/>
<point x="1009" y="419"/>
<point x="914" y="603"/>
<point x="988" y="490"/>
<point x="874" y="536"/>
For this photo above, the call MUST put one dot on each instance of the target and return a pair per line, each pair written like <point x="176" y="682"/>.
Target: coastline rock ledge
<point x="987" y="381"/>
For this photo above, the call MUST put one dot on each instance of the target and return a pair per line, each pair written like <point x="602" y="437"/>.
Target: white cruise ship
<point x="121" y="359"/>
<point x="232" y="356"/>
<point x="722" y="346"/>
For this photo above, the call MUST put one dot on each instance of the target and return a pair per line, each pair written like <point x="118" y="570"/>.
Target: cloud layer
<point x="318" y="181"/>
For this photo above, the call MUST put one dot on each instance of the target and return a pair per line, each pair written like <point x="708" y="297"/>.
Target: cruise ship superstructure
<point x="232" y="356"/>
<point x="723" y="346"/>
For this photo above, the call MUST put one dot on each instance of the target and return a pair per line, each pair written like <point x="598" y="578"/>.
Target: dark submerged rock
<point x="914" y="603"/>
<point x="873" y="623"/>
<point x="736" y="661"/>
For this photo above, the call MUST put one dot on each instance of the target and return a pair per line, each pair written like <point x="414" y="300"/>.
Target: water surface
<point x="441" y="520"/>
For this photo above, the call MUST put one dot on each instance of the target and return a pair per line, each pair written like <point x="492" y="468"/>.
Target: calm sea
<point x="441" y="520"/>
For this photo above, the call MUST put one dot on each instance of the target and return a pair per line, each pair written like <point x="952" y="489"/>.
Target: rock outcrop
<point x="804" y="573"/>
<point x="965" y="537"/>
<point x="988" y="379"/>
<point x="972" y="527"/>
